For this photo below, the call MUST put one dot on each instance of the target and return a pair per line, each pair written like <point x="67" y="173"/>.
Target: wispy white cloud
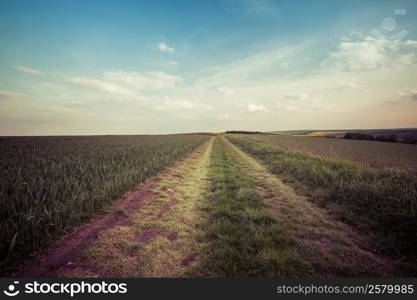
<point x="100" y="85"/>
<point x="296" y="96"/>
<point x="155" y="80"/>
<point x="409" y="93"/>
<point x="251" y="107"/>
<point x="128" y="84"/>
<point x="28" y="70"/>
<point x="181" y="105"/>
<point x="173" y="63"/>
<point x="165" y="48"/>
<point x="5" y="95"/>
<point x="247" y="68"/>
<point x="298" y="102"/>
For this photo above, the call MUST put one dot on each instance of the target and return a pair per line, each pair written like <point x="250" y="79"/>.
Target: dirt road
<point x="170" y="226"/>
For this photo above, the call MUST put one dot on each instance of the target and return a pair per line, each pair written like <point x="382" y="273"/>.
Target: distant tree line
<point x="358" y="136"/>
<point x="390" y="138"/>
<point x="408" y="140"/>
<point x="242" y="132"/>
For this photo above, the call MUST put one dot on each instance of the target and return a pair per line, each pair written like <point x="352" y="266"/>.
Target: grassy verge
<point x="379" y="202"/>
<point x="243" y="236"/>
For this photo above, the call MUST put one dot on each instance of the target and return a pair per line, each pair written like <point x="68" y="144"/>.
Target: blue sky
<point x="126" y="67"/>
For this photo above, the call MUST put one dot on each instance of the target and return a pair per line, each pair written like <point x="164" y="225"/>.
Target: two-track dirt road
<point x="160" y="229"/>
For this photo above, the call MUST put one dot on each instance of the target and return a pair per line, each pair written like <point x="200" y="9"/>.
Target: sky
<point x="149" y="67"/>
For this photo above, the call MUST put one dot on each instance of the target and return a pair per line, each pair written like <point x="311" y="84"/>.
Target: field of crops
<point x="48" y="185"/>
<point x="374" y="154"/>
<point x="402" y="134"/>
<point x="380" y="202"/>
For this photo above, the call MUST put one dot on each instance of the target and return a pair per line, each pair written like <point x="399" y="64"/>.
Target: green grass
<point x="379" y="202"/>
<point x="369" y="153"/>
<point x="48" y="185"/>
<point x="242" y="233"/>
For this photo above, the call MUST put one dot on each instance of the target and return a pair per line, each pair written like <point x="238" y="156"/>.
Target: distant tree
<point x="358" y="136"/>
<point x="410" y="140"/>
<point x="390" y="138"/>
<point x="242" y="132"/>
